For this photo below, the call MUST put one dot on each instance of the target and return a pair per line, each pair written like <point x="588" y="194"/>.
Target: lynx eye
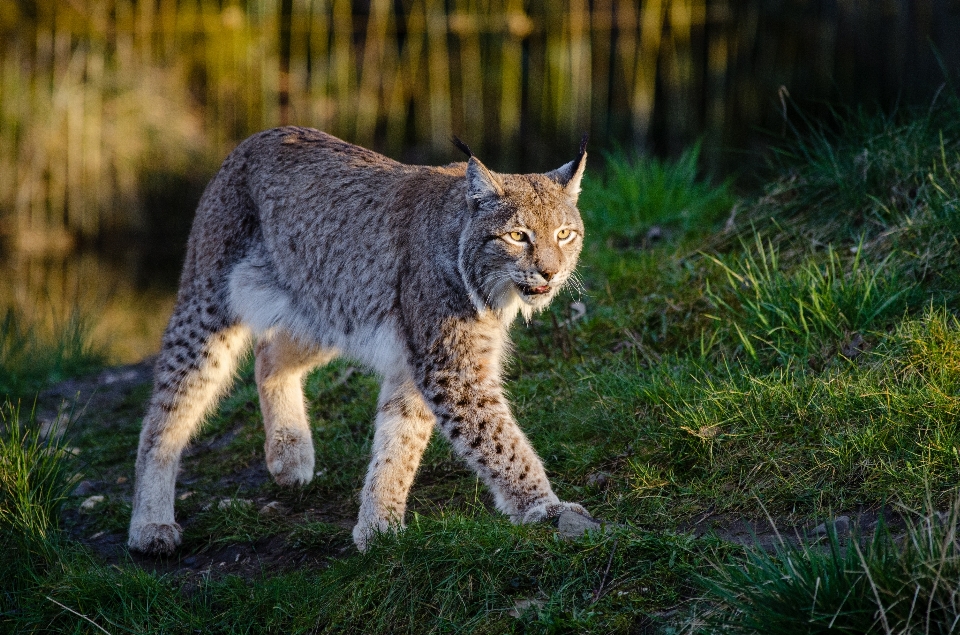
<point x="517" y="236"/>
<point x="563" y="234"/>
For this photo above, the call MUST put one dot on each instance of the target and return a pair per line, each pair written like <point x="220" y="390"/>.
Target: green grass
<point x="813" y="309"/>
<point x="636" y="193"/>
<point x="32" y="357"/>
<point x="799" y="358"/>
<point x="882" y="582"/>
<point x="36" y="476"/>
<point x="451" y="575"/>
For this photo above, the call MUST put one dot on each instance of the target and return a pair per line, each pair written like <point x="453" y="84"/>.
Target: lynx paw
<point x="364" y="532"/>
<point x="373" y="520"/>
<point x="155" y="538"/>
<point x="290" y="459"/>
<point x="545" y="511"/>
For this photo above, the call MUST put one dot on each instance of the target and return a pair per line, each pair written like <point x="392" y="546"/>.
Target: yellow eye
<point x="518" y="236"/>
<point x="563" y="234"/>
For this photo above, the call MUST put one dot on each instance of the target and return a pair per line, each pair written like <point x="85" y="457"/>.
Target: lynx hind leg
<point x="281" y="363"/>
<point x="403" y="427"/>
<point x="196" y="363"/>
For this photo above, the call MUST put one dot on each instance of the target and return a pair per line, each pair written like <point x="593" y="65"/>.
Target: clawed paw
<point x="291" y="460"/>
<point x="548" y="511"/>
<point x="159" y="539"/>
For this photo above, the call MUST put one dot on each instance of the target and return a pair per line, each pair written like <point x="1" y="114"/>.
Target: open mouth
<point x="534" y="290"/>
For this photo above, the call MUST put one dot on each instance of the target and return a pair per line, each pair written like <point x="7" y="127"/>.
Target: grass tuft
<point x="882" y="583"/>
<point x="31" y="358"/>
<point x="636" y="193"/>
<point x="36" y="476"/>
<point x="821" y="304"/>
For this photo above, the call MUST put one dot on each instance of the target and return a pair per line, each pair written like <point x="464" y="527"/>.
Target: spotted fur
<point x="317" y="248"/>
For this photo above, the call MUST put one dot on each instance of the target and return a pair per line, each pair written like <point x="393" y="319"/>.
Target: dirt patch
<point x="113" y="401"/>
<point x="105" y="391"/>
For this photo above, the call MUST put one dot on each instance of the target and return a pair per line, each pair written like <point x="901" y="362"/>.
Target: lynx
<point x="319" y="248"/>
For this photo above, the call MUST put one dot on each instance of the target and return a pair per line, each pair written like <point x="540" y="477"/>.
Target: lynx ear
<point x="568" y="176"/>
<point x="481" y="182"/>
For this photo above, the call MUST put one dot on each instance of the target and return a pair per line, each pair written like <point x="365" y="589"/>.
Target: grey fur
<point x="319" y="248"/>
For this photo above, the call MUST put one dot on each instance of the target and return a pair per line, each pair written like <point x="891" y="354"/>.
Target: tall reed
<point x="94" y="94"/>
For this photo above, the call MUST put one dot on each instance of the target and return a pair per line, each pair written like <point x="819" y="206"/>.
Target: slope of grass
<point x="798" y="355"/>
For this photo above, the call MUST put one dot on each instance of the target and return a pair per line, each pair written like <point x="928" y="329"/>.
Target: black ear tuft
<point x="583" y="145"/>
<point x="463" y="147"/>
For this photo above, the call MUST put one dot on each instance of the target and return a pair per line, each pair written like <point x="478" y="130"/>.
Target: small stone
<point x="571" y="524"/>
<point x="841" y="525"/>
<point x="274" y="508"/>
<point x="654" y="233"/>
<point x="598" y="479"/>
<point x="85" y="488"/>
<point x="520" y="606"/>
<point x="185" y="496"/>
<point x="91" y="502"/>
<point x="121" y="480"/>
<point x="227" y="503"/>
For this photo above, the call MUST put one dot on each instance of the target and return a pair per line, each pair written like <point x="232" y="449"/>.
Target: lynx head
<point x="523" y="237"/>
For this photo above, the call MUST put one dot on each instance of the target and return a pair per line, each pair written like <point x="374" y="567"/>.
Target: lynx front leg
<point x="467" y="397"/>
<point x="403" y="428"/>
<point x="280" y="367"/>
<point x="196" y="364"/>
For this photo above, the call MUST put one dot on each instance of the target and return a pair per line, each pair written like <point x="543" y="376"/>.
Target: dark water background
<point x="113" y="115"/>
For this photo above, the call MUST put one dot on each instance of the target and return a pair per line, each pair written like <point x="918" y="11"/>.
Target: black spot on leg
<point x="498" y="448"/>
<point x="454" y="432"/>
<point x="476" y="442"/>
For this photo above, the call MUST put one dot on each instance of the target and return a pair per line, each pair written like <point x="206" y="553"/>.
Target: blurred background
<point x="115" y="113"/>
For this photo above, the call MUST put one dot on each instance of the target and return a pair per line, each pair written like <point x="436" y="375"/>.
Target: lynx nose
<point x="548" y="274"/>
